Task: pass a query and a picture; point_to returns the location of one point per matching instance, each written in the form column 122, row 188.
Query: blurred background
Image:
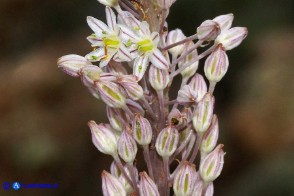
column 44, row 136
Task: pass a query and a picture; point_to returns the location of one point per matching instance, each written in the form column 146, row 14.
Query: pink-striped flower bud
column 185, row 180
column 116, row 68
column 90, row 74
column 94, row 92
column 135, row 107
column 224, row 21
column 127, row 147
column 72, row 63
column 114, row 170
column 116, row 118
column 142, row 131
column 158, row 78
column 204, row 113
column 146, row 186
column 216, row 65
column 198, row 85
column 212, row 165
column 110, row 3
column 208, row 30
column 167, row 141
column 232, row 38
column 131, row 86
column 199, row 188
column 186, row 95
column 191, row 69
column 210, row 137
column 173, row 37
column 111, row 94
column 103, row 138
column 111, row 186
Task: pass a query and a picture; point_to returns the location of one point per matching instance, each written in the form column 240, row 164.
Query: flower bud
column 142, row 131
column 111, row 94
column 216, row 65
column 103, row 138
column 186, row 95
column 115, row 117
column 131, row 86
column 167, row 141
column 72, row 63
column 110, row 3
column 158, row 78
column 224, row 21
column 198, row 84
column 210, row 137
column 212, row 165
column 173, row 37
column 127, row 147
column 89, row 74
column 116, row 68
column 135, row 107
column 185, row 180
column 111, row 185
column 146, row 186
column 232, row 38
column 191, row 69
column 175, row 117
column 199, row 188
column 203, row 114
column 208, row 30
column 94, row 92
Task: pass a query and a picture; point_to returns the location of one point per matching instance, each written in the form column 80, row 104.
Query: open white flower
column 144, row 47
column 107, row 41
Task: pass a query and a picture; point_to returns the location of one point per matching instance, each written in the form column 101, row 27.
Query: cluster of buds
column 138, row 58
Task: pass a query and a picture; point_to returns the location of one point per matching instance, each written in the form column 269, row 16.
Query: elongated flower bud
column 189, row 71
column 90, row 74
column 208, row 30
column 212, row 165
column 72, row 63
column 198, row 84
column 167, row 141
column 204, row 113
column 187, row 95
column 158, row 78
column 103, row 138
column 131, row 86
column 173, row 37
column 115, row 117
column 224, row 21
column 216, row 65
column 111, row 185
column 127, row 147
column 232, row 38
column 146, row 186
column 142, row 131
column 111, row 94
column 210, row 137
column 185, row 180
column 110, row 3
column 199, row 188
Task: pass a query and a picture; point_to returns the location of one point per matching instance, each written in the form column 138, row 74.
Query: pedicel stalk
column 132, row 67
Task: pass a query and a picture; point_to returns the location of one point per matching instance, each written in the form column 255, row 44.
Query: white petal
column 126, row 34
column 129, row 20
column 106, row 60
column 97, row 26
column 144, row 27
column 140, row 66
column 111, row 18
column 158, row 60
column 95, row 41
column 155, row 38
column 123, row 54
column 96, row 55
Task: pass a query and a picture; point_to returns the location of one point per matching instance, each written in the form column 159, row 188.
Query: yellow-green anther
column 145, row 45
column 111, row 41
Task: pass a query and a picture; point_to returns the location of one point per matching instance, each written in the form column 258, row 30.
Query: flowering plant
column 138, row 59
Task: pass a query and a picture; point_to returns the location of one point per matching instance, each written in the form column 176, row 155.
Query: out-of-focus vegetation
column 43, row 112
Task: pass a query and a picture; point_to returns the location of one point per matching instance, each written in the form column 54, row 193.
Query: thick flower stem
column 196, row 149
column 166, row 190
column 161, row 110
column 205, row 53
column 211, row 87
column 148, row 161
